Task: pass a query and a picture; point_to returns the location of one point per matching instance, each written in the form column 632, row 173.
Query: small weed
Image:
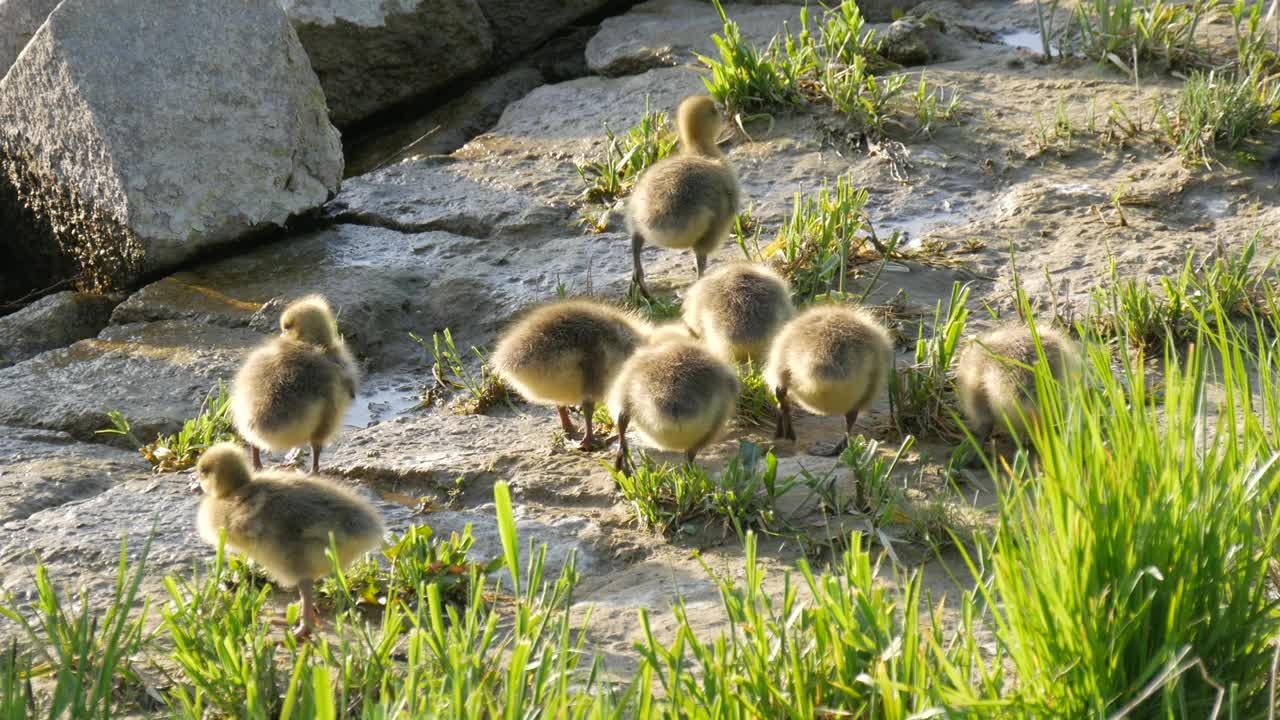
column 756, row 403
column 626, row 157
column 670, row 498
column 172, row 453
column 922, row 395
column 483, row 390
column 416, row 559
column 816, row 246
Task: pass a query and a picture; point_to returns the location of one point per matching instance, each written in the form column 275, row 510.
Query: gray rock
column 522, row 25
column 448, row 127
column 43, row 469
column 52, row 322
column 18, row 22
column 381, row 283
column 79, row 542
column 422, row 195
column 905, row 42
column 157, row 374
column 128, row 146
column 661, row 33
column 373, row 54
column 884, row 10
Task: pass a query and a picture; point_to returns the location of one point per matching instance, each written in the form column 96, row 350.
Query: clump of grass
column 851, row 647
column 626, row 157
column 1130, row 571
column 415, row 559
column 88, row 655
column 746, row 79
column 831, row 64
column 1117, row 31
column 1148, row 317
column 756, row 403
column 172, row 453
column 1220, row 110
column 482, row 389
column 669, row 498
column 816, row 246
column 922, row 395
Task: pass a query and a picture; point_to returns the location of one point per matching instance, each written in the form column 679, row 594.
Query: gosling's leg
column 589, row 437
column 637, row 275
column 690, row 455
column 831, row 450
column 783, row 430
column 623, row 462
column 310, row 617
column 700, row 262
column 315, row 458
column 257, row 458
column 565, row 422
column 983, row 440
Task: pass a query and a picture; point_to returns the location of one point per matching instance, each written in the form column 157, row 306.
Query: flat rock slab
column 156, row 373
column 42, row 469
column 662, row 33
column 430, row 194
column 52, row 322
column 79, row 542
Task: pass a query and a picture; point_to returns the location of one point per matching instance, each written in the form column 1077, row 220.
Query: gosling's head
column 699, row 124
column 310, row 320
column 223, row 469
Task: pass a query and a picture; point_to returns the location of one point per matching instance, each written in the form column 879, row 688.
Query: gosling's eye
column 288, row 325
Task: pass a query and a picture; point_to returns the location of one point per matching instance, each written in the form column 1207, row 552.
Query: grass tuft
column 483, row 389
column 173, row 453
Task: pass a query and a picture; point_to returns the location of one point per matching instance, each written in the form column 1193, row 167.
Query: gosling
column 689, row 200
column 568, row 353
column 737, row 310
column 283, row 521
column 831, row 360
column 996, row 380
column 295, row 388
column 679, row 395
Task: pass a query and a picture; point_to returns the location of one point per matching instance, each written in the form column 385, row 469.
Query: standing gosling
column 832, row 360
column 996, row 381
column 295, row 388
column 282, row 521
column 679, row 395
column 737, row 309
column 688, row 200
column 568, row 353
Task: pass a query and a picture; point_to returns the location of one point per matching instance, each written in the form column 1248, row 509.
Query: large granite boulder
column 661, row 33
column 135, row 134
column 19, row 20
column 522, row 25
column 372, row 54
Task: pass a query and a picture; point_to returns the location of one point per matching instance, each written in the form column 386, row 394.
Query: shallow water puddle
column 1026, row 39
column 377, row 402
